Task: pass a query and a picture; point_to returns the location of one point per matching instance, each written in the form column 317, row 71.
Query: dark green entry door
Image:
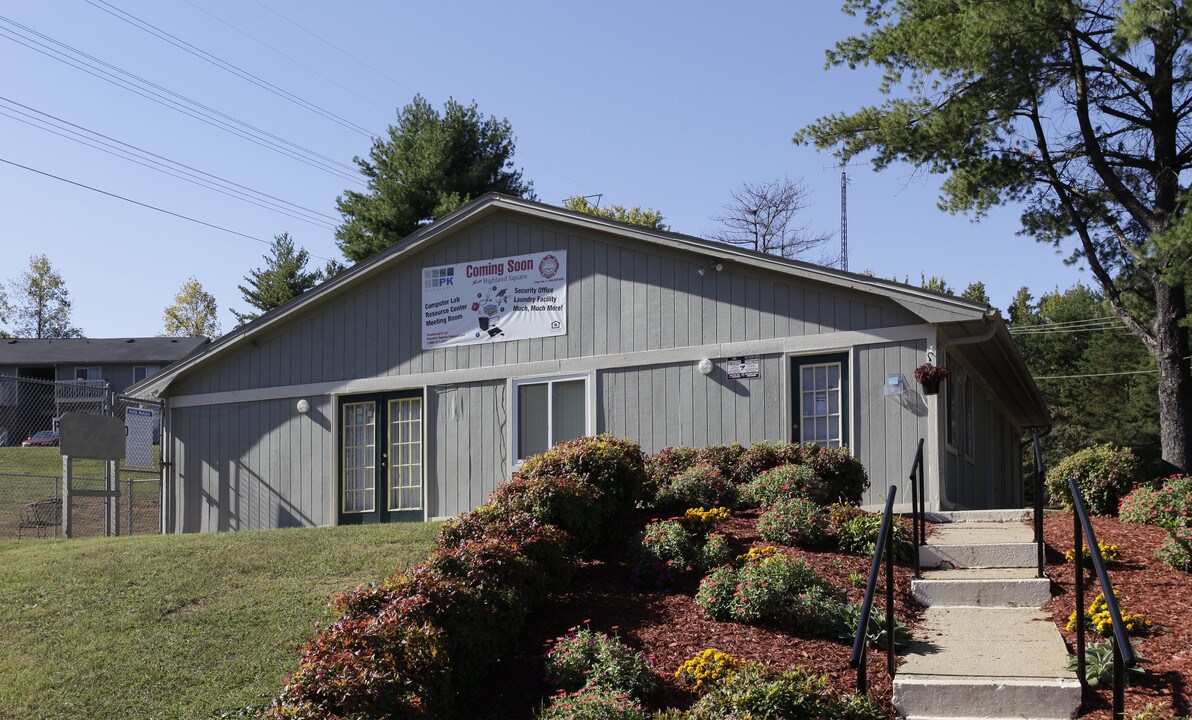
column 380, row 459
column 819, row 384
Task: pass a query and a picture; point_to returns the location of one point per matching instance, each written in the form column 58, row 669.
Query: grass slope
column 174, row 626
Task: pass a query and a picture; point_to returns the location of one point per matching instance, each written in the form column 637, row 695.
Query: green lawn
column 35, row 473
column 176, row 626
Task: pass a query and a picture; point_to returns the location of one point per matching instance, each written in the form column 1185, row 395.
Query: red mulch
column 1143, row 585
column 672, row 628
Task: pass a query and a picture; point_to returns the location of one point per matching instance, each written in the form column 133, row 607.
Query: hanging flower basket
column 930, row 376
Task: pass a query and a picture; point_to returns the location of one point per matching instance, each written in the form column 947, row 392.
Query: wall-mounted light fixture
column 303, row 406
column 704, row 367
column 712, row 264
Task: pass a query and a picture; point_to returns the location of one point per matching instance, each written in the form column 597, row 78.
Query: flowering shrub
column 669, row 550
column 612, row 468
column 406, row 647
column 593, row 703
column 794, row 521
column 754, row 691
column 784, row 482
column 757, row 553
column 1176, row 550
column 723, row 457
column 707, row 668
column 702, row 485
column 840, row 513
column 700, row 520
column 1097, row 619
column 843, row 475
column 770, row 587
column 1104, row 474
column 664, row 465
column 859, row 535
column 1109, row 553
column 1169, row 505
column 585, row 657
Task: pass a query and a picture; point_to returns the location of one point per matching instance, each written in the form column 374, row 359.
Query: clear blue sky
column 668, row 105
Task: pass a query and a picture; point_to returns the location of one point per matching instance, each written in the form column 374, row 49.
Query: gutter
column 986, row 336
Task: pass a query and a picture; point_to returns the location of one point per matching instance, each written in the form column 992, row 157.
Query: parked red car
column 41, row 438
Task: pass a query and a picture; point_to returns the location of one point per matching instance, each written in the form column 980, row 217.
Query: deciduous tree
column 193, row 312
column 1076, row 111
column 283, row 278
column 430, row 164
column 635, row 215
column 763, row 217
column 42, row 303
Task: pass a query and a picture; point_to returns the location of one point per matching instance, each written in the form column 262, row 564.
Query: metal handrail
column 1123, row 652
column 1038, row 501
column 918, row 506
column 884, row 541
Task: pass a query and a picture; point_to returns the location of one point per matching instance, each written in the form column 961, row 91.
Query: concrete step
column 980, row 544
column 987, row 663
column 983, row 587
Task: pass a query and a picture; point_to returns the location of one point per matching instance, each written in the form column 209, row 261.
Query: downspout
column 988, row 317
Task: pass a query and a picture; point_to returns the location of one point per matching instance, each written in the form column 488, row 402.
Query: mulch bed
column 1143, row 585
column 672, row 628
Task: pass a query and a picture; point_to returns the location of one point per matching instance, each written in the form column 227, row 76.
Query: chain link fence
column 31, row 468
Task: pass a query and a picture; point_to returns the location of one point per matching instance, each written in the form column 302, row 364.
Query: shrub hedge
column 794, row 521
column 843, row 474
column 1169, row 505
column 407, row 646
column 701, row 485
column 785, row 482
column 1103, row 473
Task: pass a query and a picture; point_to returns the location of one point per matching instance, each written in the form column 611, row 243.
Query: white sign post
column 509, row 298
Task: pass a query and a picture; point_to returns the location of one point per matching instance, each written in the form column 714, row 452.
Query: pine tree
column 283, row 278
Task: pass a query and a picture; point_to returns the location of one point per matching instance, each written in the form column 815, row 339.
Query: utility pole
column 843, row 219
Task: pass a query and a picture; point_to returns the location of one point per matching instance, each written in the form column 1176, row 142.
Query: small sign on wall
column 749, row 366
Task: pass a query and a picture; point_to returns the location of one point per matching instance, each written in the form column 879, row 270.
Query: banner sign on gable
column 509, row 298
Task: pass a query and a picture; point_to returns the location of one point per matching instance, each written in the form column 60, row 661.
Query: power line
column 145, row 205
column 287, row 56
column 145, row 158
column 338, row 49
column 225, row 65
column 395, row 81
column 1093, row 375
column 165, row 97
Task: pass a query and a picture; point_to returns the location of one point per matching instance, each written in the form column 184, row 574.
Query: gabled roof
column 96, row 351
column 930, row 306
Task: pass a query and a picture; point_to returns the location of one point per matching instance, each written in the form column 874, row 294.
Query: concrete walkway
column 984, row 648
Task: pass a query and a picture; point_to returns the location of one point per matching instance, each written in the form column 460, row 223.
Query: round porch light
column 303, row 406
column 705, row 366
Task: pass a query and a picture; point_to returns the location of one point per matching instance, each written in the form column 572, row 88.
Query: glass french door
column 380, row 461
column 821, row 399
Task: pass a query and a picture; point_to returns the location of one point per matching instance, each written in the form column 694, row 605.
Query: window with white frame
column 548, row 411
column 140, row 372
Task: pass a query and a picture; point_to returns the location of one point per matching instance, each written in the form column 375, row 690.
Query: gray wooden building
column 409, row 386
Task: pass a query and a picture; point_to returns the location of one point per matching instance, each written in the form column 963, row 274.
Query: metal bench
column 40, row 515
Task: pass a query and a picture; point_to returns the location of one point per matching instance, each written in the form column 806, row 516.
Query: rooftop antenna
column 598, row 196
column 844, row 219
column 844, row 214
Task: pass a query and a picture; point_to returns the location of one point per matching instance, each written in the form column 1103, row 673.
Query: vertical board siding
column 250, row 466
column 687, row 408
column 888, row 427
column 623, row 296
column 466, row 455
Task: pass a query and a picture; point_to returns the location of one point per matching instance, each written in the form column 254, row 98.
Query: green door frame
column 381, row 447
column 797, row 363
